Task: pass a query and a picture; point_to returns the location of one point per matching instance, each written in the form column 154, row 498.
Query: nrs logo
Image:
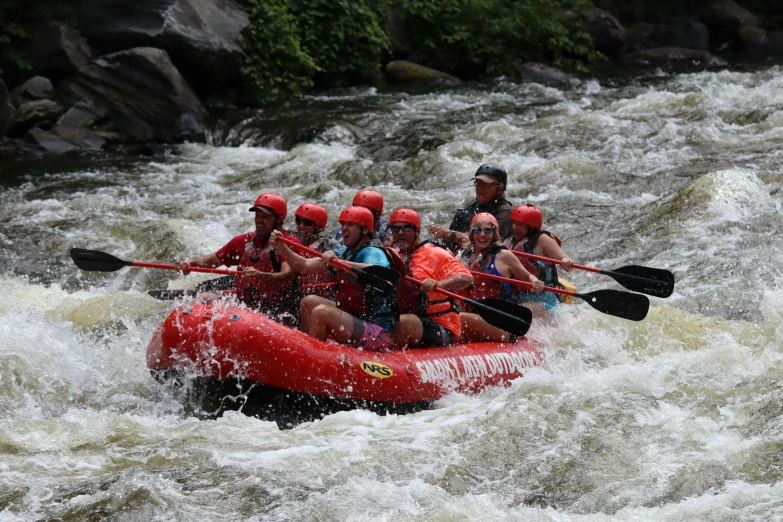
column 377, row 369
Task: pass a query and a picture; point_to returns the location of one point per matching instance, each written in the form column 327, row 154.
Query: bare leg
column 409, row 331
column 327, row 319
column 306, row 306
column 475, row 329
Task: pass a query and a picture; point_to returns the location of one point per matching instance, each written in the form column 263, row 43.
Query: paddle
column 650, row 281
column 222, row 285
column 381, row 278
column 95, row 261
column 613, row 302
column 509, row 317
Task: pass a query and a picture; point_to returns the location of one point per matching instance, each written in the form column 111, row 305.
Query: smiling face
column 486, row 192
column 305, row 229
column 483, row 234
column 404, row 235
column 520, row 230
column 265, row 223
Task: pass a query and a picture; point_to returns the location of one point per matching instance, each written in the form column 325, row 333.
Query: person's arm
column 298, row 264
column 208, row 261
column 452, row 236
column 272, row 279
column 549, row 248
column 450, row 275
column 517, row 270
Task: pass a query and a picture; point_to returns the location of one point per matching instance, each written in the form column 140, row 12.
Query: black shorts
column 433, row 334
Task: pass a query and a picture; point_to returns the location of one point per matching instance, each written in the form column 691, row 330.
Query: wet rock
column 728, row 15
column 60, row 139
column 401, row 72
column 83, row 114
column 639, row 36
column 757, row 40
column 202, row 37
column 7, row 111
column 35, row 113
column 607, row 33
column 144, row 94
column 538, row 72
column 57, row 50
column 36, row 88
column 682, row 32
column 674, row 57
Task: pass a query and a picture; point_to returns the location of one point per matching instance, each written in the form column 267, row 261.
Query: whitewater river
column 678, row 417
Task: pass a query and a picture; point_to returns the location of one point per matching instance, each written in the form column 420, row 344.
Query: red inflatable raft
column 232, row 358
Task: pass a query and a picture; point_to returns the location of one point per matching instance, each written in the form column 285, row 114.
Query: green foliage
column 346, row 38
column 496, row 34
column 274, row 59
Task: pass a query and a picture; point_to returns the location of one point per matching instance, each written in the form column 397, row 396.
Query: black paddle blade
column 95, row 261
column 509, row 317
column 220, row 283
column 650, row 281
column 169, row 295
column 381, row 279
column 625, row 305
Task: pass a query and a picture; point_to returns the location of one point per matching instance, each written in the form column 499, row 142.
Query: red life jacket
column 317, row 283
column 264, row 259
column 411, row 297
column 350, row 296
column 544, row 271
column 486, row 288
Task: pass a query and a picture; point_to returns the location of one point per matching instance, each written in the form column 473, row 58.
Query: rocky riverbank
column 146, row 73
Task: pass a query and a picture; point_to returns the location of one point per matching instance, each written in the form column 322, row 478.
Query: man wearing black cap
column 490, row 181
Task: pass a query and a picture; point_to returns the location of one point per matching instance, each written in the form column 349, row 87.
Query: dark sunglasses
column 305, row 222
column 485, row 230
column 402, row 228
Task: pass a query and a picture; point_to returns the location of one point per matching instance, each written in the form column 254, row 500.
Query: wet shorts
column 548, row 299
column 434, row 334
column 371, row 337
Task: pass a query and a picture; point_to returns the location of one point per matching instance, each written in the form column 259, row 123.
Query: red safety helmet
column 315, row 213
column 528, row 215
column 369, row 199
column 406, row 215
column 266, row 202
column 484, row 216
column 359, row 215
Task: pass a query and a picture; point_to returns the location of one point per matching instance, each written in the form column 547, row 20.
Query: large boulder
column 757, row 40
column 202, row 37
column 7, row 110
column 402, row 72
column 36, row 88
column 144, row 93
column 36, row 113
column 727, row 16
column 607, row 33
column 676, row 57
column 57, row 51
column 682, row 32
column 541, row 73
column 65, row 139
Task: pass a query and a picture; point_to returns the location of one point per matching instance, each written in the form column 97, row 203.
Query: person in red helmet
column 266, row 282
column 488, row 255
column 428, row 318
column 527, row 222
column 490, row 182
column 358, row 317
column 310, row 222
column 373, row 201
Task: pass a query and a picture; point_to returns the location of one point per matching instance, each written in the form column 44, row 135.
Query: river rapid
column 678, row 417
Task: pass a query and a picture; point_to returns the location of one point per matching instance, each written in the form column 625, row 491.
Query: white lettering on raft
column 470, row 367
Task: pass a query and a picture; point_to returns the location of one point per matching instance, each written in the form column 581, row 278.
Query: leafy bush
column 496, row 34
column 274, row 59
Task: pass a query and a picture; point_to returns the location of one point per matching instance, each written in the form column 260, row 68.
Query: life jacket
column 484, row 288
column 357, row 300
column 316, row 283
column 265, row 259
column 546, row 272
column 412, row 299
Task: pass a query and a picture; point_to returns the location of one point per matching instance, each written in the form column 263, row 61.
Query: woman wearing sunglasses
column 488, row 255
column 310, row 222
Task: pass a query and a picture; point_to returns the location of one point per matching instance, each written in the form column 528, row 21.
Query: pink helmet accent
column 315, row 213
column 359, row 215
column 406, row 215
column 369, row 199
column 528, row 215
column 484, row 216
column 271, row 201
